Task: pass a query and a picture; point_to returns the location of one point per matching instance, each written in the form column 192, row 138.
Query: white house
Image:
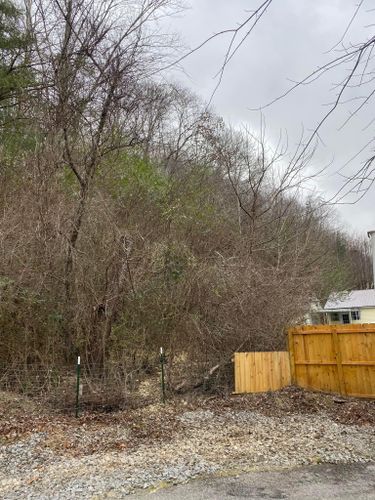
column 357, row 306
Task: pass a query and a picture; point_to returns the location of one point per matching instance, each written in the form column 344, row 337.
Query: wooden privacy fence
column 333, row 358
column 261, row 371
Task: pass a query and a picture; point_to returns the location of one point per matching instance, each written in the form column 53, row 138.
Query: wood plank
column 247, row 372
column 286, row 376
column 292, row 361
column 340, row 330
column 258, row 372
column 305, row 343
column 317, row 332
column 359, row 363
column 369, row 347
column 244, row 372
column 269, row 360
column 240, row 360
column 253, row 374
column 274, row 370
column 236, row 374
column 356, row 395
column 353, row 377
column 344, row 363
column 336, row 347
column 316, row 362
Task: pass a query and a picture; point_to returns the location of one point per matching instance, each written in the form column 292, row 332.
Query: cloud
column 292, row 40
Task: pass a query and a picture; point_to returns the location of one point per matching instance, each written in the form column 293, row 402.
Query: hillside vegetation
column 133, row 217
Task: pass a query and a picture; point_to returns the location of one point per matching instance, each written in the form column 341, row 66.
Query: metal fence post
column 162, row 362
column 78, row 385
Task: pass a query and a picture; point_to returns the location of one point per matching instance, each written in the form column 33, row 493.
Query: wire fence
column 83, row 386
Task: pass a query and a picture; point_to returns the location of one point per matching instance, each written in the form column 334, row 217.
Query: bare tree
column 356, row 90
column 91, row 57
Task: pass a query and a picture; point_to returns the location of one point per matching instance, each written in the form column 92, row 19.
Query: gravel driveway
column 170, row 445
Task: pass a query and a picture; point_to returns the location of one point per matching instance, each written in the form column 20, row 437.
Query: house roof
column 350, row 300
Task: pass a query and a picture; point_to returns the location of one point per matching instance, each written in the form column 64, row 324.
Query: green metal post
column 78, row 385
column 162, row 361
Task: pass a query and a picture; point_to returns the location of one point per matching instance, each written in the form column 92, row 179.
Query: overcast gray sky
column 291, row 40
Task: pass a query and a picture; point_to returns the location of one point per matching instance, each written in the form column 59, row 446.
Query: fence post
column 78, row 385
column 292, row 360
column 162, row 362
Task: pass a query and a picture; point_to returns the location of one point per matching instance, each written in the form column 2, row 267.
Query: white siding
column 367, row 315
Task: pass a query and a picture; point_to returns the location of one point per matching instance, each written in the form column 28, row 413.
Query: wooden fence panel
column 334, row 358
column 261, row 371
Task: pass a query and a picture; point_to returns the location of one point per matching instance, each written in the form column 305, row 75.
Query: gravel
column 49, row 464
